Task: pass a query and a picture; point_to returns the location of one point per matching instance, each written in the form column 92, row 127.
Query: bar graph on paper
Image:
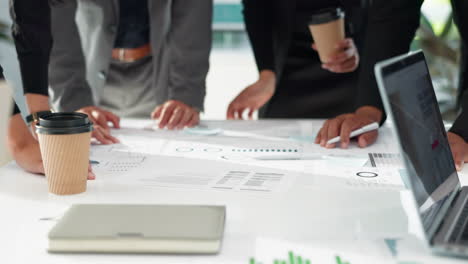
column 382, row 160
column 296, row 259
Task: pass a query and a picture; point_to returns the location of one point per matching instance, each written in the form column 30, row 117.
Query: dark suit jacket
column 84, row 33
column 33, row 41
column 391, row 28
column 270, row 23
column 460, row 127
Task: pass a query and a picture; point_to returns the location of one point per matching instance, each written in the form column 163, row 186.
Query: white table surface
column 306, row 216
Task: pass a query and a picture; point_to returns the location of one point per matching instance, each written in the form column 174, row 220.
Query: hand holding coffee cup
column 64, row 140
column 328, row 31
column 345, row 60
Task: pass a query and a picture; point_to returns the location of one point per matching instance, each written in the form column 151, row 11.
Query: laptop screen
column 421, row 132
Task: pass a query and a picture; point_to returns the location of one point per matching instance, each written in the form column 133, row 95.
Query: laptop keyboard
column 460, row 232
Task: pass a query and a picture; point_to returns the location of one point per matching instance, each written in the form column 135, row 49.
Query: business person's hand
column 346, row 59
column 254, row 96
column 175, row 115
column 101, row 119
column 25, row 148
column 459, row 150
column 343, row 125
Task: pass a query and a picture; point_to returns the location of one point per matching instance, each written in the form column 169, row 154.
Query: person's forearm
column 23, row 147
column 267, row 75
column 29, row 158
column 460, row 126
column 37, row 102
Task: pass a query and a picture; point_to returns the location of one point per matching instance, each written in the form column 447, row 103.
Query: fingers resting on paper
column 342, row 126
column 101, row 120
column 175, row 115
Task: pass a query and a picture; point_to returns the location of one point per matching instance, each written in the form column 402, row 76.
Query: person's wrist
column 267, row 75
column 267, row 80
column 370, row 112
column 196, row 109
column 37, row 102
column 33, row 118
column 455, row 136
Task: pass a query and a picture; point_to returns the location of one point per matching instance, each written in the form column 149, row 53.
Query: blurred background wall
column 233, row 67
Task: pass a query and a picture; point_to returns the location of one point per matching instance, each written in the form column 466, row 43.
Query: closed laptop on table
column 95, row 228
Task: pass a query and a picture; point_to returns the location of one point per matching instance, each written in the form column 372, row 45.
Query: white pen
column 357, row 132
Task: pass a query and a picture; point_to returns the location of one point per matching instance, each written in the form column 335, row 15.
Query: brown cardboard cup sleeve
column 64, row 140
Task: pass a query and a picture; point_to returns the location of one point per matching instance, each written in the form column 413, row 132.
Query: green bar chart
column 339, row 261
column 296, row 259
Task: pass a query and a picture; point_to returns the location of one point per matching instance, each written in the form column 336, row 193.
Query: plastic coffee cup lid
column 326, row 15
column 64, row 123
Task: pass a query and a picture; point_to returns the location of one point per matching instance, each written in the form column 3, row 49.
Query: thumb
column 367, row 139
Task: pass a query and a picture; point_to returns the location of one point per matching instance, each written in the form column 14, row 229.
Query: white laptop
column 133, row 228
column 409, row 99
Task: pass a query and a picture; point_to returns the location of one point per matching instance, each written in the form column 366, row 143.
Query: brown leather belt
column 131, row 55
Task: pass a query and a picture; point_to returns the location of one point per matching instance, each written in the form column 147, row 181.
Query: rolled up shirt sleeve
column 33, row 41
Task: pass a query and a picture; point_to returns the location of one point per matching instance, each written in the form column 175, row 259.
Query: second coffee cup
column 64, row 140
column 327, row 29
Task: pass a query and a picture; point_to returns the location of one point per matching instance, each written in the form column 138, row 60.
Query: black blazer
column 33, row 41
column 269, row 24
column 460, row 126
column 390, row 30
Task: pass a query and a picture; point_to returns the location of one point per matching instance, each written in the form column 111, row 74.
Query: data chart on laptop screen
column 423, row 138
